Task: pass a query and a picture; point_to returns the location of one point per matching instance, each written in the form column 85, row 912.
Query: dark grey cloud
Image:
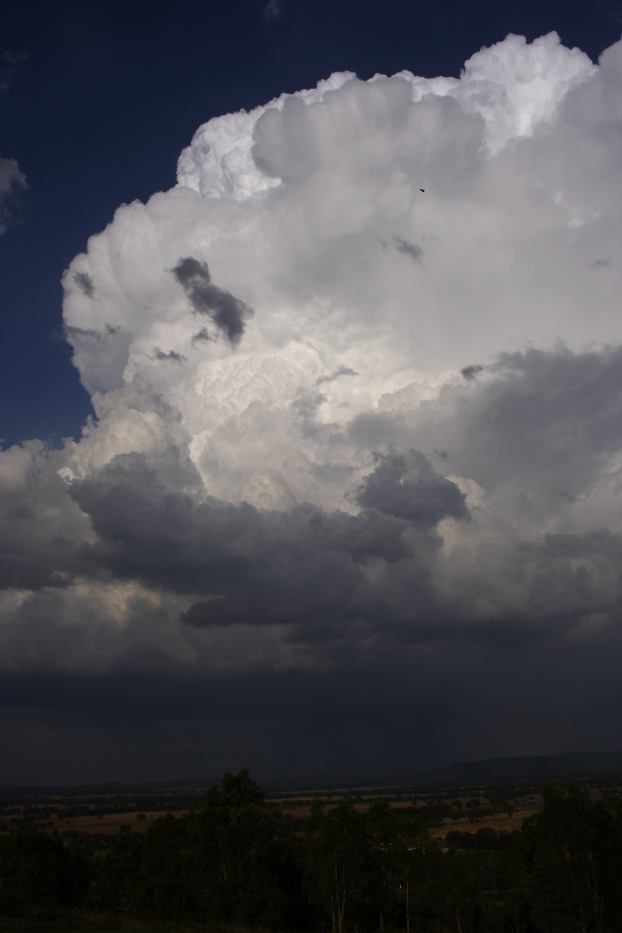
column 471, row 372
column 293, row 568
column 348, row 719
column 224, row 309
column 201, row 336
column 548, row 418
column 170, row 356
column 40, row 525
column 136, row 724
column 412, row 250
column 541, row 437
column 338, row 373
column 541, row 426
column 407, row 487
column 369, row 620
column 85, row 283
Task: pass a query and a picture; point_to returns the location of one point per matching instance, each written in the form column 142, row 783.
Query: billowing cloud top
column 357, row 382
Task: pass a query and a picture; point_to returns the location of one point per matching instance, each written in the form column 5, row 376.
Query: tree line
column 238, row 862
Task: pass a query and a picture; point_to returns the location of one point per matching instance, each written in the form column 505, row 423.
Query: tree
column 236, row 839
column 38, row 872
column 576, row 858
column 338, row 865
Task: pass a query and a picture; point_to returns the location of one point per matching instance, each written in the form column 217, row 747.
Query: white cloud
column 292, row 206
column 295, row 316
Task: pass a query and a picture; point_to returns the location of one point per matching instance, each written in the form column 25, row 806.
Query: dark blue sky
column 110, row 94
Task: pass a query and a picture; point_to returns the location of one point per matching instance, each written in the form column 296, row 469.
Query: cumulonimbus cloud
column 234, row 480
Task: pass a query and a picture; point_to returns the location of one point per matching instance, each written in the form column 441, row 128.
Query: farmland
column 400, row 857
column 443, row 809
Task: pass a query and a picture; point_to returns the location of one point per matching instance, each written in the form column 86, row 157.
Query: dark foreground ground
column 506, row 856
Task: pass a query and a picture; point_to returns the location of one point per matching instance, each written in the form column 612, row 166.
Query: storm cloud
column 319, row 511
column 471, row 371
column 407, row 487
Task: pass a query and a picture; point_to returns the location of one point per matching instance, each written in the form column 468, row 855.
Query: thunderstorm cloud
column 299, row 500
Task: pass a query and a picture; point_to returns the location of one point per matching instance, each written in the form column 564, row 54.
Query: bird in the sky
column 422, row 189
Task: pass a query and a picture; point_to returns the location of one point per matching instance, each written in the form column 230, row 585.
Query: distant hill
column 489, row 770
column 111, row 788
column 536, row 767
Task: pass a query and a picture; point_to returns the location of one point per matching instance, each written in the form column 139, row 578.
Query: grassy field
column 31, row 926
column 110, row 823
column 61, row 818
column 501, row 822
column 90, row 924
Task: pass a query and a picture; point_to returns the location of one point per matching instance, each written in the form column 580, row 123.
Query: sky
column 311, row 391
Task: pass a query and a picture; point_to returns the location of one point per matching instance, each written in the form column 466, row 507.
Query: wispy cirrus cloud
column 273, row 10
column 8, row 67
column 12, row 181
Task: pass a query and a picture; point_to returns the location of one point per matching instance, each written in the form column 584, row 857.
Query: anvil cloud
column 357, row 383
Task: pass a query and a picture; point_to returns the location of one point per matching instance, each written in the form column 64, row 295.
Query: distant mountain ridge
column 487, row 770
column 570, row 764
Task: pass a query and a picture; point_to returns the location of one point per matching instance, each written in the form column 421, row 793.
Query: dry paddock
column 111, row 823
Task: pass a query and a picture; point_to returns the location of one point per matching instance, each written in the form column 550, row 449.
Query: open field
column 77, row 924
column 22, row 926
column 301, row 809
column 110, row 823
column 84, row 925
column 501, row 823
column 442, row 808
